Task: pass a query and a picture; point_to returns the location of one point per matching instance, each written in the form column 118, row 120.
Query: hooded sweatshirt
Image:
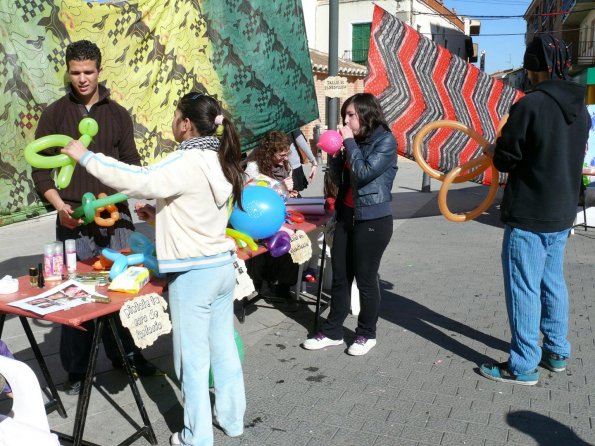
column 191, row 195
column 542, row 148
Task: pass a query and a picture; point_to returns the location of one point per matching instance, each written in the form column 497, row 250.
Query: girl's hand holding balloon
column 74, row 149
column 346, row 132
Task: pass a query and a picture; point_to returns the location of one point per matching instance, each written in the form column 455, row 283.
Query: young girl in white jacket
column 192, row 187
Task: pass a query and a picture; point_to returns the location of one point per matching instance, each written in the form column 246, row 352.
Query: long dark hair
column 273, row 142
column 369, row 113
column 201, row 110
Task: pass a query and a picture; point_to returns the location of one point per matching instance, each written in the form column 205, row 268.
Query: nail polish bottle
column 40, row 279
column 33, row 276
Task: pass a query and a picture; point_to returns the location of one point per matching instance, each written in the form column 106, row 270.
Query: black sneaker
column 73, row 388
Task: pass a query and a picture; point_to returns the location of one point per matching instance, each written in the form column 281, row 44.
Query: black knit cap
column 548, row 53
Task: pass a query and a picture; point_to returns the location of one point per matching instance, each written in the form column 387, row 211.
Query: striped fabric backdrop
column 418, row 82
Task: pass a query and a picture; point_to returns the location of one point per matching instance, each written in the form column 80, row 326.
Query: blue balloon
column 140, row 243
column 263, row 214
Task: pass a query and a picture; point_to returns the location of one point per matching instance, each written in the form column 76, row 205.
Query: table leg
column 147, row 429
column 55, row 402
column 85, row 395
column 320, row 280
column 242, row 317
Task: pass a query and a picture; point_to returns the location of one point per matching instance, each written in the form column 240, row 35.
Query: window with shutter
column 360, row 42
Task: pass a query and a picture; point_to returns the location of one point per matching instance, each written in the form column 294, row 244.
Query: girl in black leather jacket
column 364, row 171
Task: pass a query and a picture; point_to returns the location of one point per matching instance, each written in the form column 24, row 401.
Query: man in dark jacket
column 116, row 139
column 542, row 148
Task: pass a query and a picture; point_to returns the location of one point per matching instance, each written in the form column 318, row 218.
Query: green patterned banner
column 251, row 55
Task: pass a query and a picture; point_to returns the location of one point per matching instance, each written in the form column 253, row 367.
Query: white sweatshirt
column 192, row 195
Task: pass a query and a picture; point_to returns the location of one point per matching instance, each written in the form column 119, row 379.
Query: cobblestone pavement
column 442, row 314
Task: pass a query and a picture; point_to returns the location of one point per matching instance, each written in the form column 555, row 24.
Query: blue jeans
column 536, row 295
column 201, row 307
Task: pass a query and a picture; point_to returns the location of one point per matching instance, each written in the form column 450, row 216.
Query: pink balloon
column 330, row 141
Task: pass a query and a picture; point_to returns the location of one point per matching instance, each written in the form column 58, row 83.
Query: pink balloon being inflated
column 330, row 141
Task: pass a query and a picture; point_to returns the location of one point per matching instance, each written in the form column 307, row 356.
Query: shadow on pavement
column 544, row 430
column 421, row 320
column 19, row 266
column 415, row 204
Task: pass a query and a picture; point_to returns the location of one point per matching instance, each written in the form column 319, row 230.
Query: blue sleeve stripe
column 174, row 157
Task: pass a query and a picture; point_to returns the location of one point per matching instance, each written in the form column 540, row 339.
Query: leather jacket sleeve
column 370, row 164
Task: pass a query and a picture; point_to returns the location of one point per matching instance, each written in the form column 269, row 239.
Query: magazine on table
column 67, row 295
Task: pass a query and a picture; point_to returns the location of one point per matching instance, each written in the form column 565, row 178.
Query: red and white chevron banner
column 418, row 82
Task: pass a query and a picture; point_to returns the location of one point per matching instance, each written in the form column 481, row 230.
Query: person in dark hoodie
column 542, row 148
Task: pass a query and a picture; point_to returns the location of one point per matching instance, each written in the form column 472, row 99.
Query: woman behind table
column 364, row 172
column 193, row 186
column 270, row 158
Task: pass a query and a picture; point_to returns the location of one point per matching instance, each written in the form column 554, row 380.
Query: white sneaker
column 320, row 341
column 174, row 439
column 361, row 346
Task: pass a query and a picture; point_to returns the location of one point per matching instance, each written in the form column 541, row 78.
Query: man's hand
column 65, row 219
column 489, row 150
column 74, row 149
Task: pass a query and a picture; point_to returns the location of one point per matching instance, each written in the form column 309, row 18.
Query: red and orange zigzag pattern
column 418, row 82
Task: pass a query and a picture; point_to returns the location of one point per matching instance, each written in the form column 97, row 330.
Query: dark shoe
column 140, row 366
column 499, row 372
column 283, row 291
column 552, row 361
column 73, row 387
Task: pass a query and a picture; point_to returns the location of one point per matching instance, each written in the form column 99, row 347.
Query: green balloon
column 89, row 204
column 88, row 128
column 239, row 345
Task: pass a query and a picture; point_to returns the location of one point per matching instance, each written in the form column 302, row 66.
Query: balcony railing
column 583, row 53
column 357, row 56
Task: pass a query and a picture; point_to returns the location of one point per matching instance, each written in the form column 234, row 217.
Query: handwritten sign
column 301, row 247
column 335, row 87
column 146, row 318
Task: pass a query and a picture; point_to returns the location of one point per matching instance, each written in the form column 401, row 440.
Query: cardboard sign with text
column 301, row 247
column 146, row 318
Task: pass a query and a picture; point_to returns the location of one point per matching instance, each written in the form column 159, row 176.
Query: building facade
column 574, row 22
column 428, row 17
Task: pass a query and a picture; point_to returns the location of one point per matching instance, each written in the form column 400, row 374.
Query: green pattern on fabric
column 252, row 56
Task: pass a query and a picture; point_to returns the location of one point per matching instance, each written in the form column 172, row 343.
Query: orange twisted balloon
column 459, row 174
column 111, row 208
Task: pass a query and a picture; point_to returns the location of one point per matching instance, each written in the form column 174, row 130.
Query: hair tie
column 219, row 124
